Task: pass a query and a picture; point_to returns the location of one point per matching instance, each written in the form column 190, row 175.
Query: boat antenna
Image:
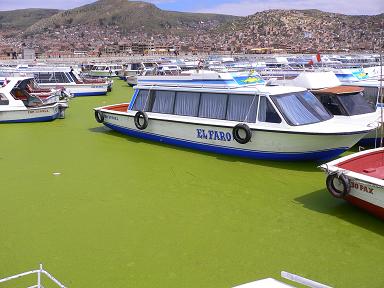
column 381, row 95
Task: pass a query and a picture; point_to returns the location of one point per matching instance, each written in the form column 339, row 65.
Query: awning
column 339, row 90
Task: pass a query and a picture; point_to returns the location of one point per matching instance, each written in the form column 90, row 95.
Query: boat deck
column 119, row 107
column 371, row 164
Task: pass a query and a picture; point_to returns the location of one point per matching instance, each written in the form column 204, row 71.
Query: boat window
column 164, row 102
column 135, row 66
column 51, row 77
column 242, row 108
column 371, row 94
column 141, row 101
column 332, row 104
column 301, row 108
column 267, row 112
column 187, row 104
column 3, row 100
column 355, row 104
column 213, row 105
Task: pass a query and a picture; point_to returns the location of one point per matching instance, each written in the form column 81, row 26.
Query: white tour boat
column 222, row 113
column 17, row 105
column 359, row 179
column 105, row 70
column 342, row 101
column 69, row 79
column 63, row 77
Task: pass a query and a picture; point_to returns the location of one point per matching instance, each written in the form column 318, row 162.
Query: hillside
column 129, row 16
column 314, row 28
column 119, row 26
column 22, row 19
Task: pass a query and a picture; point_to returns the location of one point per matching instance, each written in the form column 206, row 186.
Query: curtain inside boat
column 301, row 108
column 242, row 108
column 141, row 100
column 213, row 106
column 164, row 101
column 187, row 104
column 267, row 112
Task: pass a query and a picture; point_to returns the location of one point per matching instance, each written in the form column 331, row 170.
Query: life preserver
column 138, row 116
column 99, row 116
column 344, row 182
column 246, row 129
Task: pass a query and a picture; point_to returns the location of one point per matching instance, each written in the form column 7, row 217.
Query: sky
column 232, row 7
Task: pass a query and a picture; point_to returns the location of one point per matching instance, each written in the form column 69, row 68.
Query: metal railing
column 39, row 273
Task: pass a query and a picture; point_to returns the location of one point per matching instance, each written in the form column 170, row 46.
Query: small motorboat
column 359, row 179
column 18, row 105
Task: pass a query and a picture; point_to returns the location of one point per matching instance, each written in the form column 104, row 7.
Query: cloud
column 350, row 7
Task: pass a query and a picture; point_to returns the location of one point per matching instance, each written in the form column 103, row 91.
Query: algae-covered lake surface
column 126, row 212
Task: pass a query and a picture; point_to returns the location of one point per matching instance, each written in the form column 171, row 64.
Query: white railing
column 39, row 272
column 302, row 280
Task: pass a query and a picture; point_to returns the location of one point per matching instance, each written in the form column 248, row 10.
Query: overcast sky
column 233, row 7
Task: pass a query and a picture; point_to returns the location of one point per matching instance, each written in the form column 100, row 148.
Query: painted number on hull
column 213, row 135
column 361, row 187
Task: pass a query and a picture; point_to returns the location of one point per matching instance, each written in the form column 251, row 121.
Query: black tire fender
column 246, row 129
column 344, row 182
column 141, row 114
column 99, row 116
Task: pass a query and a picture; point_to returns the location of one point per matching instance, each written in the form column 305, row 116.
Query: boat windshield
column 355, row 104
column 301, row 108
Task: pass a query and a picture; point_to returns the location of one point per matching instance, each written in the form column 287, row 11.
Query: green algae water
column 124, row 212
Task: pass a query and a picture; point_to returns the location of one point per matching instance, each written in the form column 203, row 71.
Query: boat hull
column 39, row 114
column 364, row 174
column 264, row 144
column 79, row 90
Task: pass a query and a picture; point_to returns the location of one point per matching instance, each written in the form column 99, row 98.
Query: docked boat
column 255, row 121
column 105, row 70
column 70, row 80
column 350, row 102
column 63, row 77
column 17, row 105
column 359, row 179
column 144, row 68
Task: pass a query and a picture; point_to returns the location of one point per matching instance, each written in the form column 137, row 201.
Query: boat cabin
column 344, row 100
column 298, row 107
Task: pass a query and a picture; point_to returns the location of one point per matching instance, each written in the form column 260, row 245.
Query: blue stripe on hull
column 89, row 94
column 313, row 155
column 37, row 119
column 371, row 142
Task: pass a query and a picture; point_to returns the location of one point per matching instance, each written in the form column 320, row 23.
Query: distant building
column 29, row 53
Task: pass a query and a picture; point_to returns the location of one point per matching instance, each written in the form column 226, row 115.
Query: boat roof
column 314, row 80
column 250, row 90
column 203, row 78
column 339, row 90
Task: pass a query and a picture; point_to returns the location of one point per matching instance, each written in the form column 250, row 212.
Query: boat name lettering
column 361, row 187
column 213, row 135
column 38, row 111
column 111, row 117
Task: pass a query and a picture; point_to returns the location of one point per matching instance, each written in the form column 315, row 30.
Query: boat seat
column 377, row 172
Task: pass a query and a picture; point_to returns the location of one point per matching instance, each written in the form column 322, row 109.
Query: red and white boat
column 359, row 179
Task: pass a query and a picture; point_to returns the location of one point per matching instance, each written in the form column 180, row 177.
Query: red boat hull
column 371, row 208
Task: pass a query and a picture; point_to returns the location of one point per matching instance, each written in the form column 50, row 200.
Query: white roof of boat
column 251, row 89
column 265, row 283
column 314, row 80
